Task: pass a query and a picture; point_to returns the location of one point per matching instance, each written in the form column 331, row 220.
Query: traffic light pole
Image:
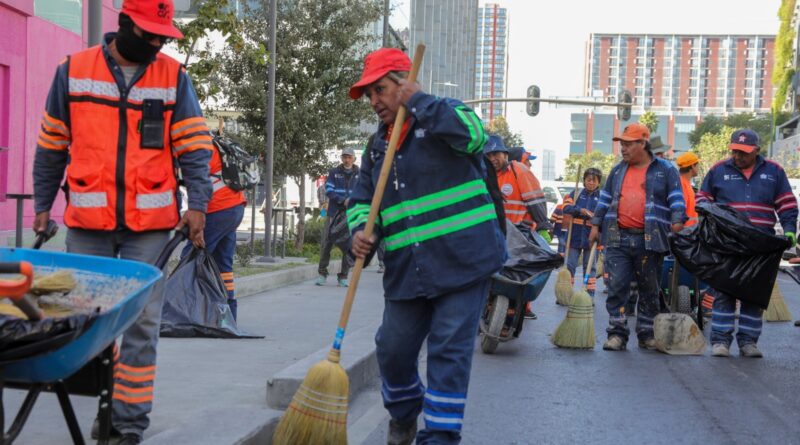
column 551, row 101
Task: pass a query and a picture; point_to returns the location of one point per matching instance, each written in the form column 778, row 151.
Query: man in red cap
column 443, row 243
column 124, row 115
column 640, row 203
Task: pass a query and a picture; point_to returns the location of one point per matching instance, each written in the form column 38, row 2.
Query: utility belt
column 632, row 231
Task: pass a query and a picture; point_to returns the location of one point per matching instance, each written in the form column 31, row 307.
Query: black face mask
column 134, row 48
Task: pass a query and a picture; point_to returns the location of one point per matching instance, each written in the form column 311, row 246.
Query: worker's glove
column 792, row 238
column 546, row 235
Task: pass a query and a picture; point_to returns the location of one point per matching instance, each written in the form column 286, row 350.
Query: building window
column 65, row 13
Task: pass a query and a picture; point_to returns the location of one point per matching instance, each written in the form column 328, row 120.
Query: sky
column 547, row 42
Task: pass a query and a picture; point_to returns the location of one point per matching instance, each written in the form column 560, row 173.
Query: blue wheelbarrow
column 79, row 362
column 498, row 324
column 682, row 290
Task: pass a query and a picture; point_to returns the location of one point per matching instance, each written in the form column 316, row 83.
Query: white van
column 552, row 194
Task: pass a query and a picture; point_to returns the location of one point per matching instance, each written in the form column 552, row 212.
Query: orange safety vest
column 224, row 197
column 517, row 187
column 112, row 181
column 688, row 196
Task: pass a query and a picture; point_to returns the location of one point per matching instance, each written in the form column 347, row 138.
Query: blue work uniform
column 637, row 254
column 443, row 243
column 581, row 227
column 759, row 197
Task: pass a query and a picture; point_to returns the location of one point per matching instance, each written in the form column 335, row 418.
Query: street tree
column 760, row 123
column 596, row 159
column 650, row 120
column 499, row 126
column 321, row 45
column 784, row 46
column 713, row 147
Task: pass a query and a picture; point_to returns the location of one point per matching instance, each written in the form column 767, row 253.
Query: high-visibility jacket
column 524, row 198
column 223, row 197
column 688, row 196
column 98, row 122
column 581, row 225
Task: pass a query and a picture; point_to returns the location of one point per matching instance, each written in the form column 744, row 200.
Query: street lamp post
column 273, row 23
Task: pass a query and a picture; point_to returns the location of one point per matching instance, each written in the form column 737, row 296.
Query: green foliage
column 595, row 159
column 650, row 120
column 783, row 72
column 313, row 230
column 713, row 147
column 709, row 124
column 320, row 50
column 499, row 126
column 760, row 123
column 244, row 256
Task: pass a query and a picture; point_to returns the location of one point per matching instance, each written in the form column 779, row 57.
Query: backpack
column 239, row 169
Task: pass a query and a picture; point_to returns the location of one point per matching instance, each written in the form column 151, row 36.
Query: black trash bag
column 730, row 254
column 22, row 339
column 528, row 254
column 196, row 302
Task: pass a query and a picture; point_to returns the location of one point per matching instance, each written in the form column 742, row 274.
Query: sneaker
column 649, row 344
column 343, row 282
column 381, row 269
column 530, row 315
column 130, row 439
column 614, row 343
column 95, row 431
column 797, row 323
column 401, row 433
column 321, row 280
column 750, row 350
column 720, row 350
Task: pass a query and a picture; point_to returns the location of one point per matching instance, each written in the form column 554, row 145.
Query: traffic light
column 624, row 113
column 532, row 108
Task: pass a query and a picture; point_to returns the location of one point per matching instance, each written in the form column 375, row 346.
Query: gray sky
column 548, row 40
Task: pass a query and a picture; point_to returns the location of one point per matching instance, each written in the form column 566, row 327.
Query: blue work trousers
column 572, row 266
column 220, row 237
column 628, row 262
column 723, row 320
column 449, row 322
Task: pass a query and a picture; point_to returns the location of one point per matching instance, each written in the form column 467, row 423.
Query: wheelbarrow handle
column 44, row 236
column 16, row 289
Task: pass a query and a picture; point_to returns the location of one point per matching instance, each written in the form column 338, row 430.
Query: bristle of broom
column 577, row 329
column 59, row 281
column 599, row 267
column 317, row 414
column 777, row 309
column 563, row 287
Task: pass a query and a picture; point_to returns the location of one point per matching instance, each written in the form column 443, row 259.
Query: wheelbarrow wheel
column 495, row 318
column 684, row 300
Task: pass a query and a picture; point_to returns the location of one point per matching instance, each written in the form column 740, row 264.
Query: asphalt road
column 530, row 392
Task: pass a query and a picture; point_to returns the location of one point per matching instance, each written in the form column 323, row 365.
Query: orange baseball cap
column 378, row 64
column 687, row 160
column 634, row 132
column 153, row 16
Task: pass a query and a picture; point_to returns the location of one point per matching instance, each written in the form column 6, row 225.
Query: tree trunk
column 301, row 222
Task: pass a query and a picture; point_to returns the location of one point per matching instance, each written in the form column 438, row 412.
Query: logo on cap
column 163, row 10
column 742, row 138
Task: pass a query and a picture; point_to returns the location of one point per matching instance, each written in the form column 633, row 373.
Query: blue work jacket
column 766, row 192
column 437, row 219
column 664, row 204
column 581, row 225
column 338, row 187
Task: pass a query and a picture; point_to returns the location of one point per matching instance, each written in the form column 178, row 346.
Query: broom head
column 577, row 329
column 563, row 287
column 777, row 309
column 317, row 414
column 59, row 281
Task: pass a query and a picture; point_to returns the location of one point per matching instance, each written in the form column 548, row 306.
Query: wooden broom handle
column 587, row 273
column 569, row 230
column 376, row 201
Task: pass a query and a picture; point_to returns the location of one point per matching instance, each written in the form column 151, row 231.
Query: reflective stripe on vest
column 86, row 200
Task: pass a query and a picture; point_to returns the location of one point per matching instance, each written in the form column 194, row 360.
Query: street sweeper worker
column 524, row 198
column 123, row 115
column 757, row 188
column 640, row 203
column 559, row 231
column 689, row 164
column 582, row 211
column 443, row 243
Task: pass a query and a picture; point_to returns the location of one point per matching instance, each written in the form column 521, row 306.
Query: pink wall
column 30, row 50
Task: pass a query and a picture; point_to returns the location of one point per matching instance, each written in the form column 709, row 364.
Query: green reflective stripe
column 441, row 227
column 434, row 201
column 356, row 211
column 357, row 222
column 477, row 135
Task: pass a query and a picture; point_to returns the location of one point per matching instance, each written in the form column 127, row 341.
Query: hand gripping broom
column 577, row 329
column 564, row 278
column 317, row 414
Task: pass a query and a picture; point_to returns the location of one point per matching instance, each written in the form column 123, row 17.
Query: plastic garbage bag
column 730, row 254
column 196, row 302
column 528, row 254
column 338, row 232
column 22, row 339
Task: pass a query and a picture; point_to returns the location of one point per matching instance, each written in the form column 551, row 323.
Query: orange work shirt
column 632, row 199
column 688, row 196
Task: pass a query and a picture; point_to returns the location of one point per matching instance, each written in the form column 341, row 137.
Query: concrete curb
column 236, row 425
column 358, row 359
column 263, row 282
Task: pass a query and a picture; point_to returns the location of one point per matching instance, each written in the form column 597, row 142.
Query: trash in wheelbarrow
column 195, row 303
column 21, row 338
column 730, row 254
column 528, row 254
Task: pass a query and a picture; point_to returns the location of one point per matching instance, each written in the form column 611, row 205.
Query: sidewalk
column 216, row 389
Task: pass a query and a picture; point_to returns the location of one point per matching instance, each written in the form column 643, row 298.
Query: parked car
column 552, row 194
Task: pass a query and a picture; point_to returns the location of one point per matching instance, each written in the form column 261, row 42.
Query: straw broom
column 564, row 278
column 58, row 281
column 317, row 414
column 777, row 309
column 577, row 329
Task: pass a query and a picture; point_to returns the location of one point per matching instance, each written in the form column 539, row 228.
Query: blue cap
column 745, row 140
column 494, row 144
column 530, row 155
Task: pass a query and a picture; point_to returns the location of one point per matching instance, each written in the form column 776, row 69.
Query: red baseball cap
column 634, row 132
column 153, row 16
column 376, row 65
